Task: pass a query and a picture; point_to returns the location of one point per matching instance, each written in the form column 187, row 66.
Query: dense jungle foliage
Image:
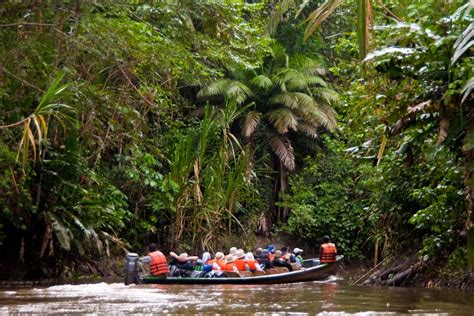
column 205, row 124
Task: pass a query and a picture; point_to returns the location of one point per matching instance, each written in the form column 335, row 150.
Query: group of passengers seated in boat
column 235, row 264
column 264, row 261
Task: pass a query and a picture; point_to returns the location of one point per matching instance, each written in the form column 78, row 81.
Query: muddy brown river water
column 330, row 297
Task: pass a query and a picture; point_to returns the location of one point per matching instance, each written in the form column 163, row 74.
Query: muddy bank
column 408, row 271
column 74, row 272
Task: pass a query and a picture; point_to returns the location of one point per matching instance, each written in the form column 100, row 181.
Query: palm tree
column 281, row 104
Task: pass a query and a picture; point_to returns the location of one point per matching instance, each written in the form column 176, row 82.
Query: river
column 330, row 297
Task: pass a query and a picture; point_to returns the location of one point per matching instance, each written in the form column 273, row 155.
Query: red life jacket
column 251, row 264
column 328, row 253
column 240, row 264
column 158, row 264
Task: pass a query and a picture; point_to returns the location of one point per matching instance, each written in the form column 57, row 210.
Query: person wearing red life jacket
column 327, row 251
column 157, row 261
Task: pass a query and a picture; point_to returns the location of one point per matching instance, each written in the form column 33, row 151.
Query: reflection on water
column 331, row 297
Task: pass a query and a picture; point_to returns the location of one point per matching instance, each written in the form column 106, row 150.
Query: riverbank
column 408, row 271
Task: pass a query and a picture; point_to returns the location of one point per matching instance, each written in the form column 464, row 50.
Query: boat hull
column 313, row 273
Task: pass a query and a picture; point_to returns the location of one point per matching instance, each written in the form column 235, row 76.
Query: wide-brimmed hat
column 219, row 255
column 297, row 250
column 249, row 256
column 278, row 254
column 229, row 259
column 183, row 257
column 232, row 251
column 265, row 253
column 240, row 254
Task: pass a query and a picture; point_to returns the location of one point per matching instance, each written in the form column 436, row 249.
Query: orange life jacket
column 240, row 264
column 328, row 253
column 158, row 264
column 220, row 263
column 251, row 264
column 229, row 266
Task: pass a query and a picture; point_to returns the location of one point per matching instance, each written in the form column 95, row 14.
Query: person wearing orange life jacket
column 252, row 263
column 219, row 261
column 327, row 251
column 229, row 265
column 239, row 260
column 157, row 261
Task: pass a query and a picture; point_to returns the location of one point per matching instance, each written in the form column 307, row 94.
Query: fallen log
column 398, row 278
column 369, row 274
column 385, row 274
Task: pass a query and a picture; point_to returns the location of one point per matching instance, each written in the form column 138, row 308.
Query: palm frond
column 261, row 82
column 316, row 115
column 331, row 122
column 312, row 81
column 250, row 123
column 231, row 90
column 287, row 74
column 463, row 43
column 319, row 15
column 467, row 89
column 307, row 65
column 304, row 100
column 282, row 119
column 287, row 99
column 238, row 92
column 307, row 129
column 299, row 84
column 217, row 88
column 325, row 95
column 282, row 148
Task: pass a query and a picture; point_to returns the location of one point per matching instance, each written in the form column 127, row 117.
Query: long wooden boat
column 314, row 270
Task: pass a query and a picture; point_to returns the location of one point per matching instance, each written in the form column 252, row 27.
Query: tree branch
column 131, row 83
column 27, row 24
column 26, row 83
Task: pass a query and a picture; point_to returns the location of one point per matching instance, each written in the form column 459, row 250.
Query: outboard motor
column 131, row 268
